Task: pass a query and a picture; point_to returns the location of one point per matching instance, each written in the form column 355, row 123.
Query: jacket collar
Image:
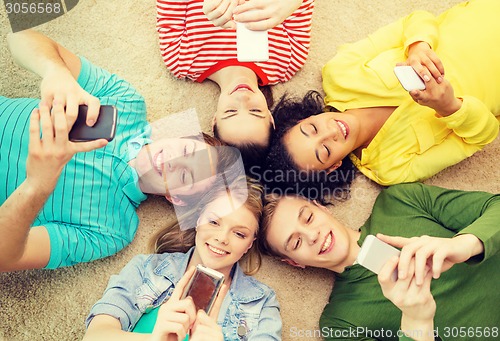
column 244, row 289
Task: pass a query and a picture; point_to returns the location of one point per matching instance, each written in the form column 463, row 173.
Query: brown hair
column 173, row 239
column 271, row 202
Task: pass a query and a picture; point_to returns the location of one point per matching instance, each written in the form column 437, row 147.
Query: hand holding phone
column 104, row 127
column 251, row 46
column 204, row 287
column 374, row 253
column 409, row 78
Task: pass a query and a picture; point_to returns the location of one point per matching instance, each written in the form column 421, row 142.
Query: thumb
column 90, row 145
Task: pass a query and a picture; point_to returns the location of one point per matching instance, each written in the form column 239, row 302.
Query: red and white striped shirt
column 192, row 47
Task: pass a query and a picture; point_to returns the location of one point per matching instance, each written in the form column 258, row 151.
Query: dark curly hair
column 283, row 176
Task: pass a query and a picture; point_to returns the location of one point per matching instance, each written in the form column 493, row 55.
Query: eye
column 183, row 177
column 309, row 218
column 184, row 151
column 240, row 234
column 297, row 243
column 314, row 129
column 327, row 150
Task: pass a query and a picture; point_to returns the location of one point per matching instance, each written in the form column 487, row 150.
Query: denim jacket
column 250, row 308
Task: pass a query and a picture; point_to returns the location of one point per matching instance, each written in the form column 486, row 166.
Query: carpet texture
column 120, row 36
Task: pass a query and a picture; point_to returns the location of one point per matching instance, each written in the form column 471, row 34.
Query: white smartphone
column 409, row 78
column 251, row 46
column 375, row 253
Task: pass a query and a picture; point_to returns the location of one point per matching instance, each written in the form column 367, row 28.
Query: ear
column 214, row 122
column 292, row 263
column 333, row 167
column 250, row 246
column 271, row 119
column 321, row 206
column 175, row 200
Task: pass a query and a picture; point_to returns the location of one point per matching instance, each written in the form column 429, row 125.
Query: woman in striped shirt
column 196, row 48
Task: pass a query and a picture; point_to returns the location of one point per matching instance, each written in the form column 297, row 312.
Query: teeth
column 218, row 251
column 327, row 243
column 344, row 129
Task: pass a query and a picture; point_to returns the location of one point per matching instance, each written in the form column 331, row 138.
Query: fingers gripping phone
column 375, row 253
column 251, row 46
column 204, row 287
column 409, row 78
column 104, row 127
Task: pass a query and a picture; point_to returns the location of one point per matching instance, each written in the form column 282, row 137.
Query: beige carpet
column 120, row 36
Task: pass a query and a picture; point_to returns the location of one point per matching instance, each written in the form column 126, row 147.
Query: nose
column 311, row 236
column 331, row 131
column 222, row 236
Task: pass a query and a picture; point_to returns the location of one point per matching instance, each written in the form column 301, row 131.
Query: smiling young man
column 439, row 230
column 60, row 206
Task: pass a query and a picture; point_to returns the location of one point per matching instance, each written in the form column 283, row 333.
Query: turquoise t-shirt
column 147, row 322
column 91, row 213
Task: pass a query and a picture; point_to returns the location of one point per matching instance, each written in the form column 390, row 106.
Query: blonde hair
column 174, row 239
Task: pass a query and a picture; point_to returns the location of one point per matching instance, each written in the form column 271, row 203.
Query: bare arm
column 20, row 246
column 59, row 69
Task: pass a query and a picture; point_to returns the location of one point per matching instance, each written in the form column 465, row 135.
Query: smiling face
column 243, row 116
column 176, row 166
column 224, row 233
column 310, row 236
column 320, row 142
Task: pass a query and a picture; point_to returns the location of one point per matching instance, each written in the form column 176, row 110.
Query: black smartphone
column 204, row 287
column 104, row 128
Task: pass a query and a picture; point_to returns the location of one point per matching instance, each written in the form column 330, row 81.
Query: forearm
column 16, row 216
column 35, row 52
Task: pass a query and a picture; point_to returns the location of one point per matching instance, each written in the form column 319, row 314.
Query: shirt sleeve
column 118, row 299
column 270, row 324
column 171, row 26
column 105, row 85
column 361, row 74
column 461, row 212
column 298, row 28
column 472, row 127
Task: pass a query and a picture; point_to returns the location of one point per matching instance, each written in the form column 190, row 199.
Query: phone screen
column 104, row 128
column 203, row 289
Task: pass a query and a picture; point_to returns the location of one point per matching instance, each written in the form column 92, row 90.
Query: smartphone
column 409, row 78
column 251, row 46
column 204, row 287
column 375, row 253
column 104, row 128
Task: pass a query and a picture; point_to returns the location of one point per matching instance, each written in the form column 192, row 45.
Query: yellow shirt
column 416, row 143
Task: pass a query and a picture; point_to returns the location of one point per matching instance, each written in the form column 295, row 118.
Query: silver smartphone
column 409, row 78
column 375, row 253
column 251, row 46
column 204, row 287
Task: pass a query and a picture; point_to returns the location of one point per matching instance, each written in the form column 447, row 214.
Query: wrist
column 452, row 108
column 55, row 70
column 472, row 243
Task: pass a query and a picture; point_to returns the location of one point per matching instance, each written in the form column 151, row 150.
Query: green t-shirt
column 467, row 295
